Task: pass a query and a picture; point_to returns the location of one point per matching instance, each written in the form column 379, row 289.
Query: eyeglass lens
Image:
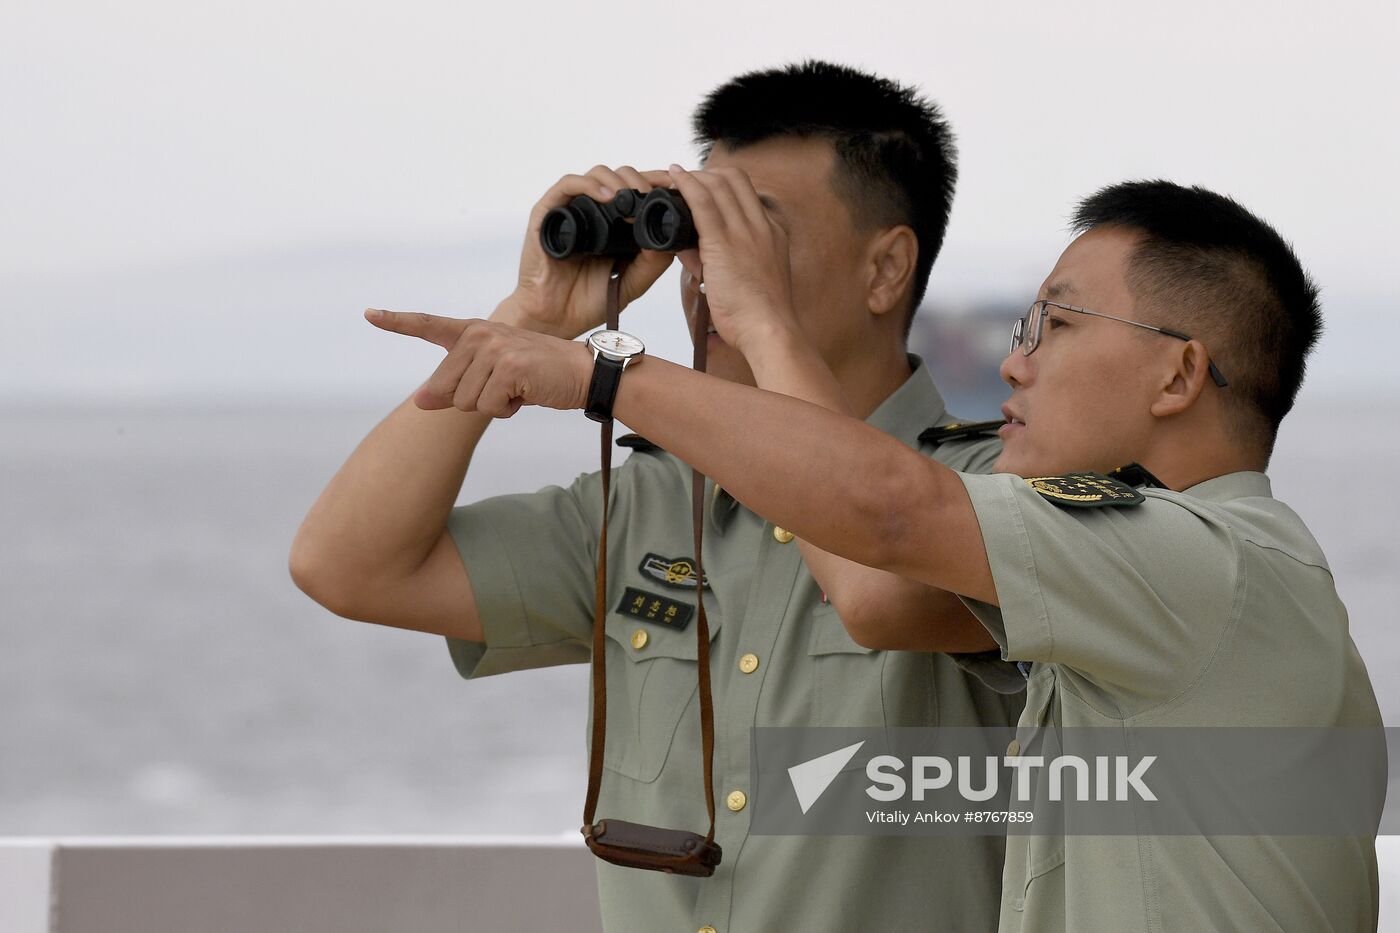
column 1026, row 331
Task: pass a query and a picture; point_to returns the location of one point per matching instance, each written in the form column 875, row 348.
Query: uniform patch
column 672, row 571
column 653, row 607
column 636, row 442
column 958, row 430
column 1085, row 490
column 1135, row 474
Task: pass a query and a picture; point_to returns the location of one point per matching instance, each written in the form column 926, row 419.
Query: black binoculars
column 632, row 221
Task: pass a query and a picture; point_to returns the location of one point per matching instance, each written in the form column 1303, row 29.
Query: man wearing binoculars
column 846, row 180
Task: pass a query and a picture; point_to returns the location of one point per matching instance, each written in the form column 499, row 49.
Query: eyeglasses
column 1026, row 333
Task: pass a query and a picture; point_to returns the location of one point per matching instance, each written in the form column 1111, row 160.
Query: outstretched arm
column 878, row 608
column 836, row 482
column 844, row 486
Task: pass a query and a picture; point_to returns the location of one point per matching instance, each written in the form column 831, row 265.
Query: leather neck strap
column 699, row 336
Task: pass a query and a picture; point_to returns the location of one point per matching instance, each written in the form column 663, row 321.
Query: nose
column 1015, row 369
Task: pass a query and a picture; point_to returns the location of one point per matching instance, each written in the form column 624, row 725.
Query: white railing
column 331, row 884
column 296, row 884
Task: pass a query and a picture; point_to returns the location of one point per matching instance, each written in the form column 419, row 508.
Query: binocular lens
column 664, row 223
column 586, row 228
column 559, row 232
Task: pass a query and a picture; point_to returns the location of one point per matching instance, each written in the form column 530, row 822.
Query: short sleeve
column 530, row 558
column 977, row 455
column 992, row 670
column 1134, row 598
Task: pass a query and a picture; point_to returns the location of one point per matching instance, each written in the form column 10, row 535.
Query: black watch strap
column 602, row 390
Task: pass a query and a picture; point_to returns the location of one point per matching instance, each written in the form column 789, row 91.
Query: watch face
column 615, row 344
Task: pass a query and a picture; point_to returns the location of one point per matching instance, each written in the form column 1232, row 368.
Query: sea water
column 160, row 673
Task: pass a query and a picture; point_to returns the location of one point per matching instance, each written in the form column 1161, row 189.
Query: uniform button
column 748, row 663
column 781, row 535
column 706, row 930
column 639, row 639
column 1013, row 748
column 736, row 800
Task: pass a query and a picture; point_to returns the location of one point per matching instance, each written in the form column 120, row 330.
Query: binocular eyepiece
column 632, row 221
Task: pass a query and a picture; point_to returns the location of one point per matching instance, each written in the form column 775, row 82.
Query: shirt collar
column 1242, row 485
column 904, row 414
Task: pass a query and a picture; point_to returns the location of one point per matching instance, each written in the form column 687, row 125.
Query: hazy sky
column 199, row 197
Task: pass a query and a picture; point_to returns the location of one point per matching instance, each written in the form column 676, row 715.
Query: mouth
column 1014, row 423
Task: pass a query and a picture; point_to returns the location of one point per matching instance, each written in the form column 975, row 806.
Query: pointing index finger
column 443, row 331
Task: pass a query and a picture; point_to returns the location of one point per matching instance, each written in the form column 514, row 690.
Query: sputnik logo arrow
column 811, row 778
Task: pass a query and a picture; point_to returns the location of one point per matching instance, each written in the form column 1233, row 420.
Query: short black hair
column 1218, row 272
column 896, row 157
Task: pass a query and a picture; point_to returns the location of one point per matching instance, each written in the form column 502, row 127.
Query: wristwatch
column 612, row 351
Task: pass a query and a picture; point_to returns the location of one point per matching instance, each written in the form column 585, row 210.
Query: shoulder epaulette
column 1085, row 490
column 958, row 429
column 637, row 442
column 1135, row 474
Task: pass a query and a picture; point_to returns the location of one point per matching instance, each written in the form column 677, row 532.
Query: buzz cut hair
column 1209, row 267
column 896, row 158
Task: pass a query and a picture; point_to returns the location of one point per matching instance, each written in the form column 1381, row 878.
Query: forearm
column 387, row 506
column 839, row 484
column 786, row 364
column 879, row 609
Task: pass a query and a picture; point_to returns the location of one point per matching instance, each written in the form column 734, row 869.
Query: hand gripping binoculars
column 632, row 221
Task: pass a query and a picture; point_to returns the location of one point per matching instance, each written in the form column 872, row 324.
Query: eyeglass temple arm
column 1215, row 374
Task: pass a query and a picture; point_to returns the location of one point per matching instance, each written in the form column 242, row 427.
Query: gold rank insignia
column 672, row 571
column 1085, row 490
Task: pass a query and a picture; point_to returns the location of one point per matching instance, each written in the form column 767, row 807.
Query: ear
column 890, row 264
column 1184, row 381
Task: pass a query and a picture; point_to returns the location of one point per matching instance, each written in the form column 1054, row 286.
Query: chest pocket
column 1031, row 858
column 651, row 688
column 846, row 678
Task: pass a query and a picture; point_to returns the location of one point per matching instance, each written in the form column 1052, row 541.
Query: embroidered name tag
column 653, row 607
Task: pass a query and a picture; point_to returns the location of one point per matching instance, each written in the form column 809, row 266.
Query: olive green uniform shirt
column 779, row 657
column 1208, row 607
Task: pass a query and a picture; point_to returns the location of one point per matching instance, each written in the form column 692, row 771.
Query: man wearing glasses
column 1025, row 334
column 1175, row 593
